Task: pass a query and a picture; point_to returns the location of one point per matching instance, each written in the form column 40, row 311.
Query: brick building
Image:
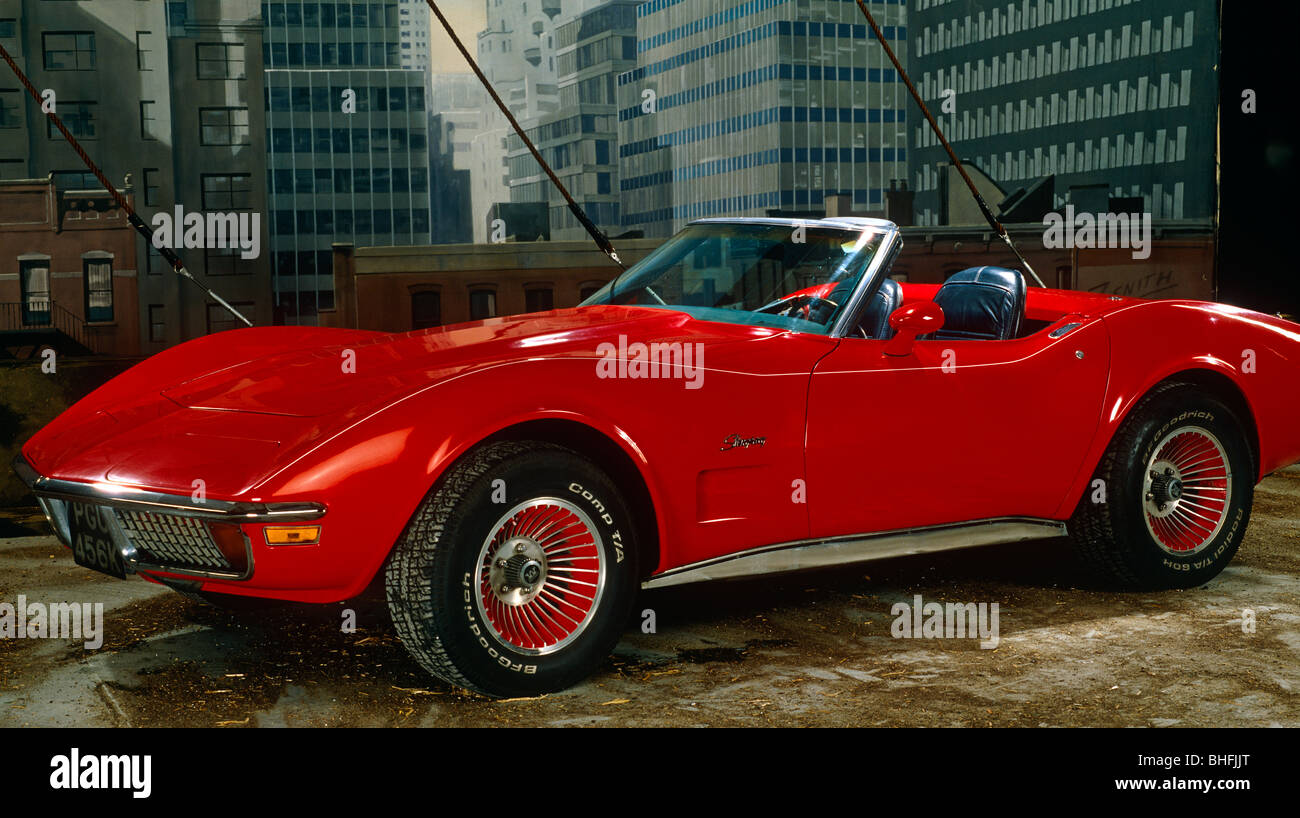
column 68, row 271
column 397, row 289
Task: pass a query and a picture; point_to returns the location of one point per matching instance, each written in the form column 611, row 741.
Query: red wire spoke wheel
column 1179, row 478
column 517, row 574
column 1187, row 490
column 541, row 575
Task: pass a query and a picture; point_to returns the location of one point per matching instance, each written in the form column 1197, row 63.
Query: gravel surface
column 811, row 649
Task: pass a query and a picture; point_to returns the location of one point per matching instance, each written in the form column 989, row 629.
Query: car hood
column 267, row 396
column 306, row 382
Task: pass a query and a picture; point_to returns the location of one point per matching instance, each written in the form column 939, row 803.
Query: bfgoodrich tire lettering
column 1179, row 479
column 517, row 573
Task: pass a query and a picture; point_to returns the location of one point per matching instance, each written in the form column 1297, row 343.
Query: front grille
column 172, row 540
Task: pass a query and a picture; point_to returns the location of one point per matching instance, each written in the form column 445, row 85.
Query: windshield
column 795, row 277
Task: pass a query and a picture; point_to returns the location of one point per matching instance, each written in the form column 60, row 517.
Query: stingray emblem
column 737, row 442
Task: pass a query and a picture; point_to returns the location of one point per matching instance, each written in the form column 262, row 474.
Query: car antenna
column 602, row 241
column 979, row 200
column 131, row 216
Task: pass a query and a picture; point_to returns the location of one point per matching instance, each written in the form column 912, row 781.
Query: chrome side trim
column 806, row 554
column 109, row 494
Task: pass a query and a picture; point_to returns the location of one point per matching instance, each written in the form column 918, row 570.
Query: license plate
column 93, row 545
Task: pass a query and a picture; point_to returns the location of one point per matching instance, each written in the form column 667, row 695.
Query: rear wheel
column 517, row 573
column 1178, row 485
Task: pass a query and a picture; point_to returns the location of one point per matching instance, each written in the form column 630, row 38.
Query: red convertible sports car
column 756, row 396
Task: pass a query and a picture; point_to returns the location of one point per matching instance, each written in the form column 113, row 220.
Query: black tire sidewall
column 469, row 641
column 1153, row 565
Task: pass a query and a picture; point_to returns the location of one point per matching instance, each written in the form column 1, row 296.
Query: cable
column 131, row 216
column 602, row 241
column 979, row 200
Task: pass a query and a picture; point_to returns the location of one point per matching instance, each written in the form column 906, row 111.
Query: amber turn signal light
column 292, row 534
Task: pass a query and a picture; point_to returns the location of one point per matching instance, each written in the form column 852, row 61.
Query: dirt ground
column 812, row 649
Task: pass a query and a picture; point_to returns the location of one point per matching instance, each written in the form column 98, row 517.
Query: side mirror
column 910, row 321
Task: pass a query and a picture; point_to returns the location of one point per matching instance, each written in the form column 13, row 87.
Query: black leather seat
column 982, row 303
column 875, row 321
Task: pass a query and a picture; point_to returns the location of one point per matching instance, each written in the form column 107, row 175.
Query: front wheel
column 517, row 573
column 1175, row 493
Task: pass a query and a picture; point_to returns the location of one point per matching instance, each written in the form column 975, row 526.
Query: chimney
column 899, row 203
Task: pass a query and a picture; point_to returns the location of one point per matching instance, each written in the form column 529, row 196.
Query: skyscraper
column 580, row 140
column 463, row 112
column 516, row 52
column 413, row 34
column 348, row 149
column 747, row 107
column 1116, row 97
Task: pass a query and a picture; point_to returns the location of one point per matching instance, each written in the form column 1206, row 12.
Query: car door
column 954, row 431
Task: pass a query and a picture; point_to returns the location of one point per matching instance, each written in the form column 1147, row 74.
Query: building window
column 177, row 14
column 34, row 275
column 221, row 261
column 223, row 126
column 233, row 191
column 220, row 61
column 154, row 263
column 426, row 309
column 143, row 54
column 220, row 319
column 11, row 108
column 75, row 180
column 8, row 28
column 78, row 117
column 69, row 50
column 539, row 299
column 99, row 287
column 157, row 326
column 587, row 291
column 151, row 187
column 482, row 304
column 148, row 119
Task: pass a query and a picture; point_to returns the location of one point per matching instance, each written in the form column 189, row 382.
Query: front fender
column 373, row 474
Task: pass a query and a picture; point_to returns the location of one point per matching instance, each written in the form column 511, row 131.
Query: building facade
column 1112, row 96
column 159, row 95
column 516, row 52
column 413, row 35
column 752, row 107
column 464, row 113
column 69, row 278
column 397, row 289
column 348, row 147
column 580, row 141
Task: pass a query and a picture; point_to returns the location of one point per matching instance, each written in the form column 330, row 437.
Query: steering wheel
column 792, row 304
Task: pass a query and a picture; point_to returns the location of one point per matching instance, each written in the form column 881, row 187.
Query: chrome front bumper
column 158, row 532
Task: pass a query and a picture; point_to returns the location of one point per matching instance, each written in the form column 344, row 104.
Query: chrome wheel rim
column 1186, row 490
column 541, row 575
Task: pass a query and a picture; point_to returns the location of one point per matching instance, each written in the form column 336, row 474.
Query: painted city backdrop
column 329, row 163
